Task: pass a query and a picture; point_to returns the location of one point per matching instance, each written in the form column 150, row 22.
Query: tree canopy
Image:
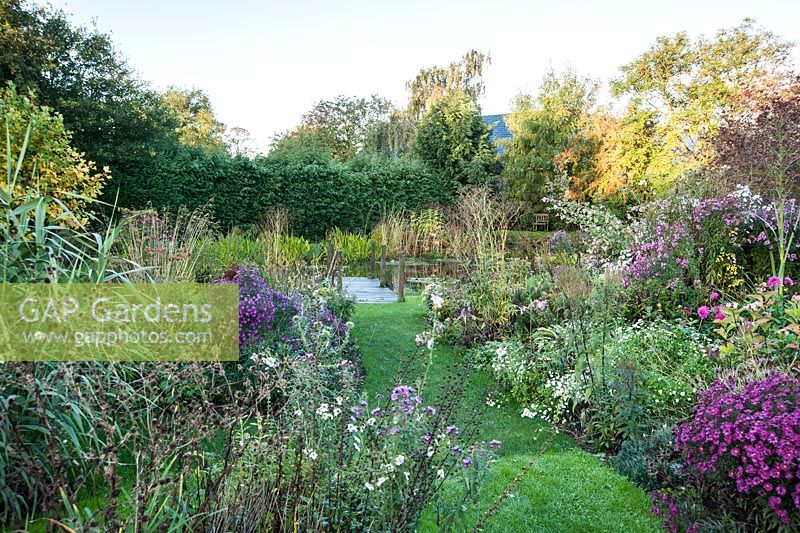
column 464, row 76
column 687, row 85
column 452, row 139
column 545, row 126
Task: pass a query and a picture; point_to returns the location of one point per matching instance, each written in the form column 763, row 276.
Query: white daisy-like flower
column 400, row 459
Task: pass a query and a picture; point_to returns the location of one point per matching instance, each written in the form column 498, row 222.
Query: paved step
column 368, row 290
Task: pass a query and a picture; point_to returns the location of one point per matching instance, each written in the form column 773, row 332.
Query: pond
column 418, row 271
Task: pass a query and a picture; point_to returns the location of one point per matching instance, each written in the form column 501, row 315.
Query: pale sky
column 265, row 63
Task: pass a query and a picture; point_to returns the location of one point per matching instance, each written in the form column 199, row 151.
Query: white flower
column 400, row 459
column 382, row 480
column 527, row 413
column 501, row 351
column 421, row 338
column 389, row 468
column 539, row 305
column 351, row 428
column 430, row 451
column 311, row 454
column 371, row 422
column 440, row 473
column 337, row 411
column 271, row 362
column 430, row 343
column 369, row 486
column 436, row 301
column 408, row 476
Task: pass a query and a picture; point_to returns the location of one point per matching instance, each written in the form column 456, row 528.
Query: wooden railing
column 334, row 271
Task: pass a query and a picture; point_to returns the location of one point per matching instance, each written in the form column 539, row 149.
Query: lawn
column 566, row 490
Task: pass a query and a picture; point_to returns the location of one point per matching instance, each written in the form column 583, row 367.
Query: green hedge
column 321, row 193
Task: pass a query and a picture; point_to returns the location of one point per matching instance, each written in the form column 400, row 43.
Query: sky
column 265, row 63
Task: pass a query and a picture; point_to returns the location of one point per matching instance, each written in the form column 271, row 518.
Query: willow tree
column 431, row 83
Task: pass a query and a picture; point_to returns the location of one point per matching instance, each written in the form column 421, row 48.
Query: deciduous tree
column 688, row 85
column 464, row 76
column 545, row 126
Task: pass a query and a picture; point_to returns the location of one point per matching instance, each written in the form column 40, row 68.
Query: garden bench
column 541, row 221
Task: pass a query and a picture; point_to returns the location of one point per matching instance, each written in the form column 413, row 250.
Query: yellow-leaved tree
column 40, row 161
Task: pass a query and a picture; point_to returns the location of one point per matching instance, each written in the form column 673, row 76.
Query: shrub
column 761, row 332
column 685, row 248
column 748, row 439
column 512, row 364
column 608, row 236
column 652, row 462
column 41, row 161
column 34, row 249
column 619, row 384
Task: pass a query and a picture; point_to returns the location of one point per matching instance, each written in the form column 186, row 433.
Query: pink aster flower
column 773, row 282
column 703, row 312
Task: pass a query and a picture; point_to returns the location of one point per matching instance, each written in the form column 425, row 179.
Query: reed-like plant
column 479, row 225
column 414, row 234
column 168, row 245
column 354, row 247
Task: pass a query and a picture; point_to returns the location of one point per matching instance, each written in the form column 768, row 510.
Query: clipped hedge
column 319, row 192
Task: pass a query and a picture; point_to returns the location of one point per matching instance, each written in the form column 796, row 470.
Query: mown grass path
column 567, row 489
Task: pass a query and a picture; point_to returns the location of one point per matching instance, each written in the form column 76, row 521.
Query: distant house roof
column 499, row 129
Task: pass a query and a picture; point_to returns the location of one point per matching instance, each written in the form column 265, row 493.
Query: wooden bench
column 541, row 222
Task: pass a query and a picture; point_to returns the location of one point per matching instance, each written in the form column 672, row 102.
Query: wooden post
column 383, row 266
column 339, row 273
column 401, row 279
column 329, row 254
column 372, row 265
